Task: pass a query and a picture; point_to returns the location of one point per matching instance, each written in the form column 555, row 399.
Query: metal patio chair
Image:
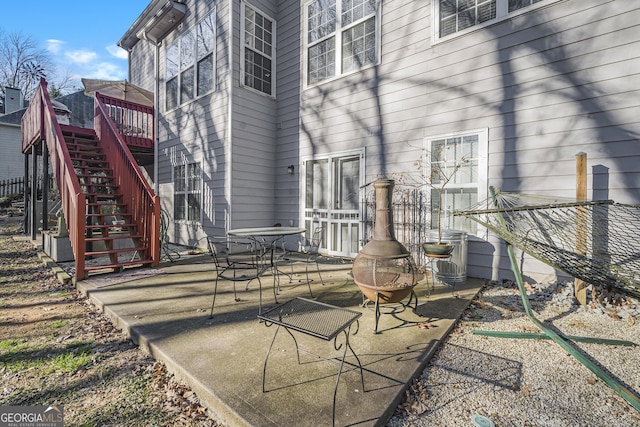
column 238, row 260
column 311, row 252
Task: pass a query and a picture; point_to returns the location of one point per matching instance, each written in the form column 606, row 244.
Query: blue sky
column 81, row 35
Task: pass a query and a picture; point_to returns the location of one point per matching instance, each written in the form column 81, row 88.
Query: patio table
column 257, row 234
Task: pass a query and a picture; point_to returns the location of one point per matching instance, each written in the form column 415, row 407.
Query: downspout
column 230, row 121
column 156, row 120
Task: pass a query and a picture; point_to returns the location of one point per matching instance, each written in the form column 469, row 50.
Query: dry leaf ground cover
column 57, row 348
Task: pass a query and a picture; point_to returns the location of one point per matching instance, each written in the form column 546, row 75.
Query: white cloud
column 117, row 51
column 54, row 46
column 87, row 63
column 81, row 56
column 104, row 71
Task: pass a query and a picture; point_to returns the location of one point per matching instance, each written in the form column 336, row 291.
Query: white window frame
column 187, row 192
column 502, row 13
column 337, row 34
column 197, row 58
column 271, row 57
column 481, row 186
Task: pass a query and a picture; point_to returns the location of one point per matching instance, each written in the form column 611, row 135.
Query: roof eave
column 156, row 20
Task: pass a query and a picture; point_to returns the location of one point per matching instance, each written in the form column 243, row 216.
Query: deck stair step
column 119, row 266
column 96, row 185
column 113, row 237
column 112, row 214
column 106, row 204
column 103, row 196
column 115, row 251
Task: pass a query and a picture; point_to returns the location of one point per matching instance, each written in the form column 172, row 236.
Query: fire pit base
column 388, row 298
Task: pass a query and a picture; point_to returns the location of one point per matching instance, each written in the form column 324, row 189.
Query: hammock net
column 595, row 241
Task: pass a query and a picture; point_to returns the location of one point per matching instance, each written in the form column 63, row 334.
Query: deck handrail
column 38, row 124
column 134, row 122
column 136, row 191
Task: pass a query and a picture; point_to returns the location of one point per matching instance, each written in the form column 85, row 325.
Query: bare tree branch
column 23, row 63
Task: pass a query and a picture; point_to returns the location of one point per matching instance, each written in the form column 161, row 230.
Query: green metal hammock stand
column 595, row 241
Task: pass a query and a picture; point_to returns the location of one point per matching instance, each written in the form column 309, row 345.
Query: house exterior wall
column 142, row 65
column 545, row 83
column 287, row 125
column 196, row 131
column 11, row 147
column 253, row 140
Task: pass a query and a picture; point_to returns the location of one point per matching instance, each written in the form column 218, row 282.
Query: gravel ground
column 523, row 382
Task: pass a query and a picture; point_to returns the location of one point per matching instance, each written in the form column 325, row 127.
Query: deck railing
column 133, row 121
column 39, row 123
column 143, row 203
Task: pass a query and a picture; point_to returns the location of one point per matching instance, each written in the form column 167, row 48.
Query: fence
column 411, row 219
column 15, row 186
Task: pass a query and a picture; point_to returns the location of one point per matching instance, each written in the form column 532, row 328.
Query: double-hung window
column 258, row 34
column 453, row 16
column 342, row 36
column 462, row 160
column 187, row 192
column 190, row 61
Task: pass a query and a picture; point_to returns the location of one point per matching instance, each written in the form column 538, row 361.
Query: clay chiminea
column 384, row 269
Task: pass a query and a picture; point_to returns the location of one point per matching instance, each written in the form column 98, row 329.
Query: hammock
column 595, row 241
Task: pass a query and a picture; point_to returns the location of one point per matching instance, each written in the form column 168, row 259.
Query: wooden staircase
column 111, row 212
column 110, row 231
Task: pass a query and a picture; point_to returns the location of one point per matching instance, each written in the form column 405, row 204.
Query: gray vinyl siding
column 142, row 65
column 253, row 141
column 547, row 84
column 287, row 133
column 11, row 147
column 198, row 132
column 551, row 81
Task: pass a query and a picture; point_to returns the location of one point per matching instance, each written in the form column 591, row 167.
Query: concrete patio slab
column 222, row 358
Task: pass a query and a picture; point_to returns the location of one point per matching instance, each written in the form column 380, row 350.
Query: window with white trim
column 453, row 16
column 187, row 192
column 341, row 36
column 463, row 159
column 258, row 33
column 190, row 63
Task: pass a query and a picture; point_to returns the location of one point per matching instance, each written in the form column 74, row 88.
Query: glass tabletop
column 265, row 231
